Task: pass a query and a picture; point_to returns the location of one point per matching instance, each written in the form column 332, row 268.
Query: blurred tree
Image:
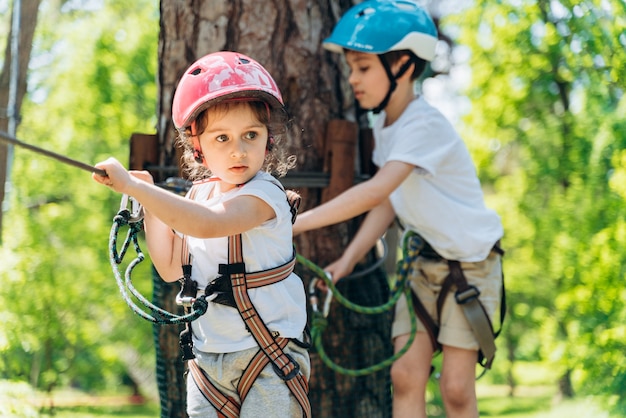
column 14, row 83
column 91, row 82
column 547, row 129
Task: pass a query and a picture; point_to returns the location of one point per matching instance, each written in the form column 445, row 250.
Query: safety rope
column 319, row 320
column 134, row 220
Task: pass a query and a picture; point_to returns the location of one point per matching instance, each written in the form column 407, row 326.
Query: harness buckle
column 291, row 374
column 220, row 291
column 186, row 344
column 466, row 295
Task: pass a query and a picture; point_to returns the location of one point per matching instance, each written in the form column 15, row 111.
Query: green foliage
column 91, row 84
column 547, row 131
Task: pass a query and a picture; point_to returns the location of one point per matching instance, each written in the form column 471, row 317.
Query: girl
column 426, row 179
column 234, row 232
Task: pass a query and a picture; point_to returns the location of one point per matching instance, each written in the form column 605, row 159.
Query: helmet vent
column 196, row 71
column 366, row 11
column 244, row 61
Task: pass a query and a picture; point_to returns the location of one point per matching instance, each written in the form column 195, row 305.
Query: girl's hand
column 117, row 178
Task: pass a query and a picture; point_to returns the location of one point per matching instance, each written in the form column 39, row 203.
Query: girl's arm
column 164, row 247
column 166, row 211
column 357, row 199
column 183, row 215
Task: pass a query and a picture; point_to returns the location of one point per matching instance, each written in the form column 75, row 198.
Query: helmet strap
column 197, row 148
column 392, row 79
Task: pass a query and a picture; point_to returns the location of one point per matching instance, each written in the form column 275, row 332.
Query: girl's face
column 234, row 143
column 368, row 78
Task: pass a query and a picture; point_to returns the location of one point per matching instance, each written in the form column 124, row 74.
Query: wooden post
column 144, row 151
column 341, row 140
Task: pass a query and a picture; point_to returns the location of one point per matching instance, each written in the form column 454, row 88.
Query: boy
column 427, row 179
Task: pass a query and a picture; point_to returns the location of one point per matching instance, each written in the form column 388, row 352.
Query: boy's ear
column 401, row 63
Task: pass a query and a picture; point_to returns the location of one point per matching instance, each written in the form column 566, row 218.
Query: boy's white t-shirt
column 282, row 305
column 442, row 199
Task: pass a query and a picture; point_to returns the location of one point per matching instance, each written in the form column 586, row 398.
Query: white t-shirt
column 282, row 305
column 441, row 199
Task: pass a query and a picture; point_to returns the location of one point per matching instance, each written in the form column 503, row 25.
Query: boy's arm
column 373, row 227
column 356, row 200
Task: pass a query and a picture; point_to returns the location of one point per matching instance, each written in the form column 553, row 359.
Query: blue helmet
column 380, row 26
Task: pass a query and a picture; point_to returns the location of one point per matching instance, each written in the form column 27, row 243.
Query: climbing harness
column 466, row 296
column 231, row 289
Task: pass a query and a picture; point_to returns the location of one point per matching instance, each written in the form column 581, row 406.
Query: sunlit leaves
column 547, row 86
column 91, row 84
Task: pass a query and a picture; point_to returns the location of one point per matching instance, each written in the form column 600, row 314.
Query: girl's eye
column 250, row 135
column 221, row 138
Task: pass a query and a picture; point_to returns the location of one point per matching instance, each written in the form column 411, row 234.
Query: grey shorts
column 426, row 277
column 269, row 395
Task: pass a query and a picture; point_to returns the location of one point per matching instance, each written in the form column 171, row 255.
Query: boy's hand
column 337, row 270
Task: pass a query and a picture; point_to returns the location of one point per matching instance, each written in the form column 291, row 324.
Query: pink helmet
column 220, row 76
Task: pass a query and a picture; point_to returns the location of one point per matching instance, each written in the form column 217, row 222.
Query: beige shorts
column 426, row 277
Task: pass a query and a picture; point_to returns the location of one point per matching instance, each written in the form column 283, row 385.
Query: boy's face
column 368, row 78
column 234, row 143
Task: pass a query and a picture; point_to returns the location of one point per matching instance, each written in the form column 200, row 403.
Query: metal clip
column 136, row 209
column 467, row 295
column 314, row 300
column 185, row 301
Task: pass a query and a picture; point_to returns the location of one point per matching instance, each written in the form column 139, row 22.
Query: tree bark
column 286, row 37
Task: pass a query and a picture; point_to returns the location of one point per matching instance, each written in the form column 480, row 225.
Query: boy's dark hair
column 394, row 56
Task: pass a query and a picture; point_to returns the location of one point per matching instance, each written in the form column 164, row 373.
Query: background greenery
column 542, row 110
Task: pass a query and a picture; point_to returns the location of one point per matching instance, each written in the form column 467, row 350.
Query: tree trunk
column 285, row 36
column 28, row 22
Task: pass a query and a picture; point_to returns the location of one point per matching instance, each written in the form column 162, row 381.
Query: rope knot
column 122, row 217
column 200, row 306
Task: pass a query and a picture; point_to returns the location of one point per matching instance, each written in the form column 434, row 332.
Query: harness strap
column 466, row 296
column 431, row 327
column 271, row 276
column 284, row 365
column 226, row 406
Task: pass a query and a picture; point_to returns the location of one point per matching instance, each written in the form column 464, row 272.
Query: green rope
column 156, row 315
column 319, row 321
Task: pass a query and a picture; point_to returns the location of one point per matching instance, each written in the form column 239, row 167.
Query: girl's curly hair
column 277, row 121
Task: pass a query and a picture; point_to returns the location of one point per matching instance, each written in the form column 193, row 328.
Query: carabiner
column 314, row 300
column 184, row 301
column 136, row 210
